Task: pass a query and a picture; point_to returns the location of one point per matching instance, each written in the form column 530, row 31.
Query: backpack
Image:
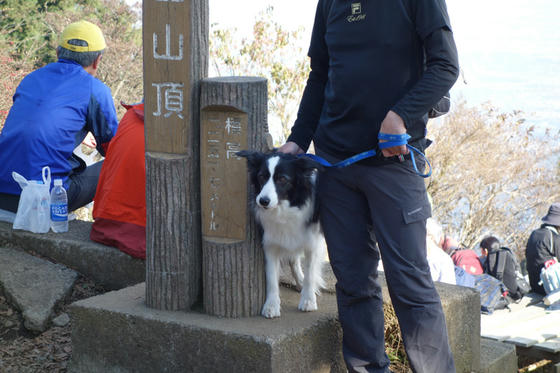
column 463, row 278
column 492, row 293
column 550, row 276
column 468, row 260
column 498, row 266
column 119, row 207
column 550, row 273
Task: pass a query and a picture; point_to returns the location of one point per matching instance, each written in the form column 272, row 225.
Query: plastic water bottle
column 59, row 208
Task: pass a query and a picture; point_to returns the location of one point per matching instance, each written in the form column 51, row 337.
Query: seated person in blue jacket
column 53, row 110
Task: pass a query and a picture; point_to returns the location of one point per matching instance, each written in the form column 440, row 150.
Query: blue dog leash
column 392, row 140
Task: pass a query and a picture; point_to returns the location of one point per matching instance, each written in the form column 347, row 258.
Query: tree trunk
column 234, row 117
column 175, row 39
column 173, row 261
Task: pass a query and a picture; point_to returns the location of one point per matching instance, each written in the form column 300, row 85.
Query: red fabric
column 468, row 260
column 127, row 237
column 119, row 207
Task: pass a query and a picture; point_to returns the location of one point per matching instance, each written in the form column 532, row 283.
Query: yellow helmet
column 86, row 31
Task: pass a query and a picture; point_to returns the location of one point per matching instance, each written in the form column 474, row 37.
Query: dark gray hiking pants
column 389, row 201
column 82, row 186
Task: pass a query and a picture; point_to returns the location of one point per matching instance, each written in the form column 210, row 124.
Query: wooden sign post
column 175, row 34
column 233, row 118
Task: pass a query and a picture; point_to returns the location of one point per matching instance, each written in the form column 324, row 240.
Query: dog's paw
column 271, row 308
column 307, row 304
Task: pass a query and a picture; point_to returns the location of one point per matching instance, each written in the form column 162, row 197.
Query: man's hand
column 394, row 125
column 290, row 148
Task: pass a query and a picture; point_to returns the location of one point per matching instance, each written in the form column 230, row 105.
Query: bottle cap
column 57, row 182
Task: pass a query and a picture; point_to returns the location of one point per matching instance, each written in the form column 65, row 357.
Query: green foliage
column 23, row 22
column 272, row 52
column 29, row 24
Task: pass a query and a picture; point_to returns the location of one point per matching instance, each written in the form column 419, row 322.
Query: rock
column 33, row 285
column 61, row 320
column 9, row 324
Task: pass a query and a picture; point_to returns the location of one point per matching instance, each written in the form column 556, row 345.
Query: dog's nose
column 264, row 201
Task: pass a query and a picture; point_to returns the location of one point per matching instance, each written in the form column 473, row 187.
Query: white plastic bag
column 33, row 213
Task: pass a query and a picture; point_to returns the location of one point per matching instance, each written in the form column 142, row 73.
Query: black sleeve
column 556, row 244
column 310, row 107
column 442, row 70
column 313, row 97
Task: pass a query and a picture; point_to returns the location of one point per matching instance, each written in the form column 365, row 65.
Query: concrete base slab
column 35, row 286
column 116, row 332
column 105, row 265
column 497, row 357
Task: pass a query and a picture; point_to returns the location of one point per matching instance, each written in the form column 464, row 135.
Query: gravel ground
column 24, row 352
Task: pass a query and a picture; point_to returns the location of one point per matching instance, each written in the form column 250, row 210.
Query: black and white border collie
column 286, row 208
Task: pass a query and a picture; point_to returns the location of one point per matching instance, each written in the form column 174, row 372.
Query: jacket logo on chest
column 356, row 13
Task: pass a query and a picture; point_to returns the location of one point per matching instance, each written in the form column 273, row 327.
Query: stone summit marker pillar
column 175, row 34
column 233, row 118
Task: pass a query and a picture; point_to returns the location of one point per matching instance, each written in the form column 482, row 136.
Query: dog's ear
column 308, row 165
column 254, row 159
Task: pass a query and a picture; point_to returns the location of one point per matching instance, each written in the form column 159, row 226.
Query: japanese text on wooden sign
column 167, row 29
column 223, row 174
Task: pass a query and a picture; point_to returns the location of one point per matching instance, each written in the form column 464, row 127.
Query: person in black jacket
column 542, row 246
column 502, row 264
column 377, row 68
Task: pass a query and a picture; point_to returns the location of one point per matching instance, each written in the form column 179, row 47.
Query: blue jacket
column 54, row 108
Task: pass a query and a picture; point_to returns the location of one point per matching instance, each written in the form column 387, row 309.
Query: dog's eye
column 262, row 178
column 282, row 180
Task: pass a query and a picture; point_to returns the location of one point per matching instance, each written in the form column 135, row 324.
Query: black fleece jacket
column 368, row 58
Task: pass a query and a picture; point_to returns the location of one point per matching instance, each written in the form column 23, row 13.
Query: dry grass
column 12, row 71
column 394, row 345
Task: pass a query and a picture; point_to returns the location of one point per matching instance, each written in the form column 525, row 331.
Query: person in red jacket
column 461, row 256
column 119, row 207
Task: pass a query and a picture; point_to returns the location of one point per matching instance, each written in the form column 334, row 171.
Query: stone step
column 497, row 357
column 33, row 285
